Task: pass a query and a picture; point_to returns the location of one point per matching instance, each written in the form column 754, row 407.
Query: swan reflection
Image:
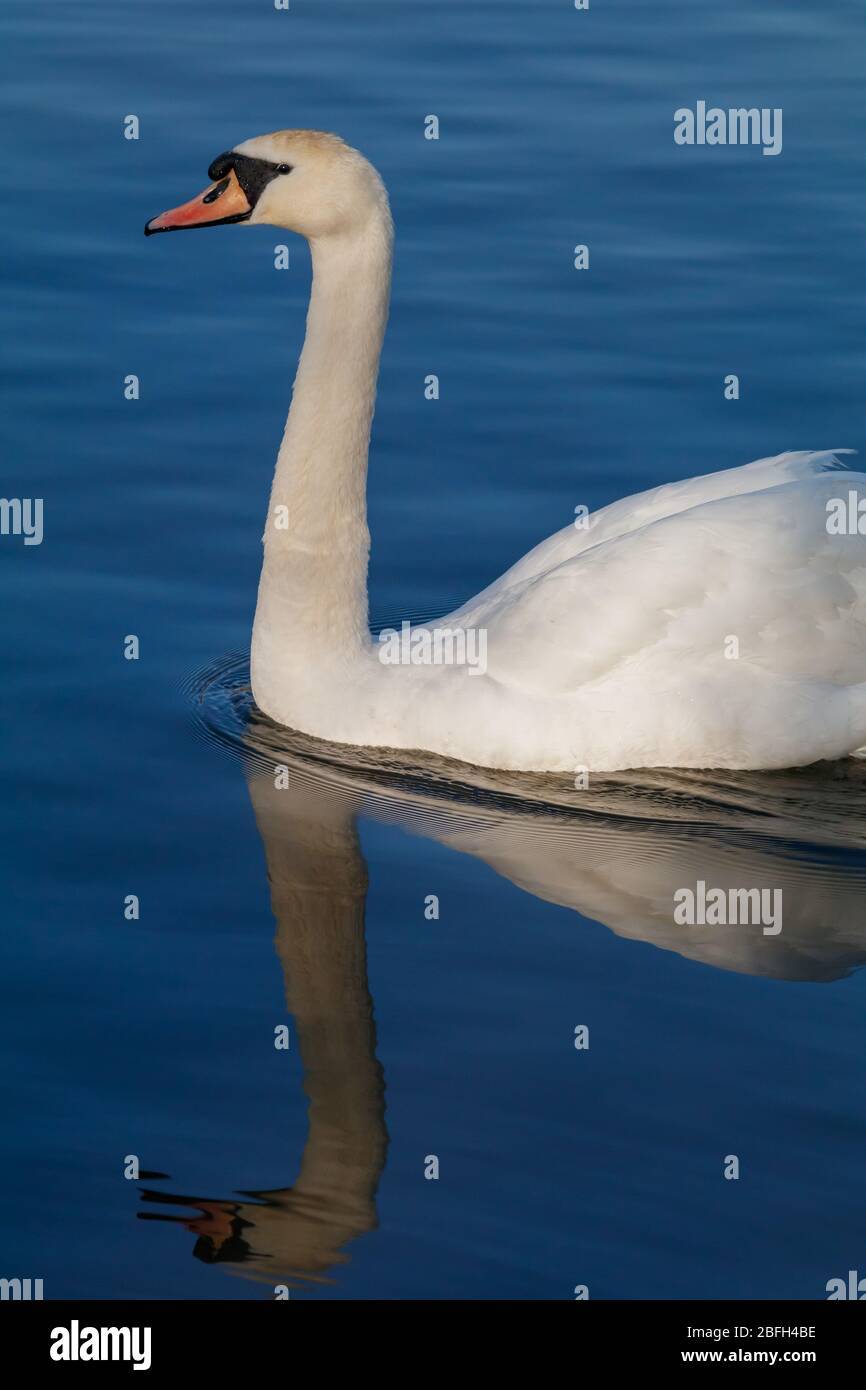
column 615, row 853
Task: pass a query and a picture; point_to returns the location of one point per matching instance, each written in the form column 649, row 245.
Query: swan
column 718, row 622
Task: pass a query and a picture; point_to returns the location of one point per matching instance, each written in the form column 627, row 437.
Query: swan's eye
column 284, row 168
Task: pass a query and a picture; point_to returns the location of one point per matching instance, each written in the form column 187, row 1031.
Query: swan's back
column 713, row 622
column 630, row 513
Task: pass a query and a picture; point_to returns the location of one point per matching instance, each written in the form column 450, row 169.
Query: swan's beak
column 224, row 201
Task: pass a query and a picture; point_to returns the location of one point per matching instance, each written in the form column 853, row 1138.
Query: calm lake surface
column 410, row 1037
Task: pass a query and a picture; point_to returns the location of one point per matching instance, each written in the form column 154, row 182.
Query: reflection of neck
column 313, row 589
column 318, row 887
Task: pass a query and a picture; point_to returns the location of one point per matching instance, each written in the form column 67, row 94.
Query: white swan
column 716, row 622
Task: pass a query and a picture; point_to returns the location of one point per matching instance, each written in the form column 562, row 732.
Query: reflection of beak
column 222, row 202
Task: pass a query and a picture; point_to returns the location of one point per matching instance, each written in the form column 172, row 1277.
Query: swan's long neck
column 312, row 604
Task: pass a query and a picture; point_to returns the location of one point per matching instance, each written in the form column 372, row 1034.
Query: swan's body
column 715, row 622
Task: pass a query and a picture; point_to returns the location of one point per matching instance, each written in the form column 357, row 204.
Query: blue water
column 409, row 1037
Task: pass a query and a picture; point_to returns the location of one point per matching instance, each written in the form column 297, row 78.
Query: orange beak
column 222, row 202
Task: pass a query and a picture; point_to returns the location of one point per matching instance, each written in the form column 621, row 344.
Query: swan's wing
column 661, row 600
column 630, row 513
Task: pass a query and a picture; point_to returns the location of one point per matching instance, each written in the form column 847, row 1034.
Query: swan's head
column 304, row 180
